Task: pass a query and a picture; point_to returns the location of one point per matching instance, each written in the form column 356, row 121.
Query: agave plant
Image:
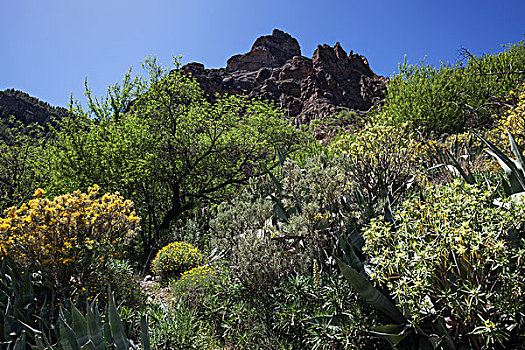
column 514, row 183
column 91, row 333
column 514, row 169
column 453, row 159
column 25, row 306
column 27, row 315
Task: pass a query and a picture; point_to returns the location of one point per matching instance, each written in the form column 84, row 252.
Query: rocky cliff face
column 306, row 88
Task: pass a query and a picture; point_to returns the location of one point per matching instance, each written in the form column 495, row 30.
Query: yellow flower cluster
column 512, row 120
column 176, row 258
column 201, row 276
column 53, row 235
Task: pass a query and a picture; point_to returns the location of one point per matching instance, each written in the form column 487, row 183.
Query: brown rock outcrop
column 267, row 51
column 305, row 88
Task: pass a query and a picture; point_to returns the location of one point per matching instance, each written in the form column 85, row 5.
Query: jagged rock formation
column 305, row 88
column 28, row 109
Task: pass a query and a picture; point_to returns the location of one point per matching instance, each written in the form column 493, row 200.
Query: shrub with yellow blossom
column 512, row 120
column 193, row 286
column 176, row 258
column 70, row 237
column 200, row 276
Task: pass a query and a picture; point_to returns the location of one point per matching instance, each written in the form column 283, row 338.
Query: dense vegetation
column 406, row 233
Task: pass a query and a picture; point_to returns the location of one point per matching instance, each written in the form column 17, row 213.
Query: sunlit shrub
column 69, row 237
column 200, row 275
column 455, row 258
column 452, row 98
column 513, row 120
column 176, row 258
column 195, row 284
column 377, row 154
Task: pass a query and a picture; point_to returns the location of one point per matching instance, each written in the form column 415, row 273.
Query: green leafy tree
column 162, row 143
column 21, row 150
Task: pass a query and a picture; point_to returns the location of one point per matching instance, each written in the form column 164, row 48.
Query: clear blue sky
column 48, row 47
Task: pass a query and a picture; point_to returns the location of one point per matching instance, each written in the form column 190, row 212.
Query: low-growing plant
column 199, row 277
column 27, row 305
column 175, row 327
column 453, row 262
column 120, row 277
column 175, row 259
column 322, row 314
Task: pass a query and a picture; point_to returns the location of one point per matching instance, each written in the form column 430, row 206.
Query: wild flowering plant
column 512, row 120
column 201, row 275
column 176, row 258
column 454, row 256
column 193, row 285
column 69, row 237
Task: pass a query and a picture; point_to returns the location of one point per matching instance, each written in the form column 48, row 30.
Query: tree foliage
column 21, row 152
column 162, row 143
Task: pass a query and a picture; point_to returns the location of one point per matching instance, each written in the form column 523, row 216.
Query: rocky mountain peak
column 306, row 88
column 267, row 51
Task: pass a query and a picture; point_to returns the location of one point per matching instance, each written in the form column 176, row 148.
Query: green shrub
column 119, row 276
column 452, row 98
column 177, row 327
column 375, row 156
column 176, row 258
column 21, row 166
column 456, row 260
column 300, row 312
column 322, row 314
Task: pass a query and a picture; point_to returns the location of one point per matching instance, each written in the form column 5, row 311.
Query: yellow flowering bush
column 201, row 276
column 512, row 120
column 194, row 286
column 176, row 258
column 69, row 237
